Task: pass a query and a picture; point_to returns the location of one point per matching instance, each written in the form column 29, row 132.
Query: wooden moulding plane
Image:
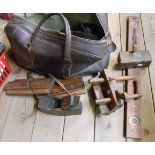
column 133, row 60
column 41, row 86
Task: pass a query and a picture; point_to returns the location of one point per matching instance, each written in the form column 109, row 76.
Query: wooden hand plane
column 107, row 98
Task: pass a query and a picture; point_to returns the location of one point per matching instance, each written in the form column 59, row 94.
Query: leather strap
column 67, row 50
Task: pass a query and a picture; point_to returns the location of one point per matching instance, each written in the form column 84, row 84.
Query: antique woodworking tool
column 66, row 105
column 129, row 59
column 53, row 96
column 124, row 96
column 134, row 58
column 41, row 86
column 107, row 98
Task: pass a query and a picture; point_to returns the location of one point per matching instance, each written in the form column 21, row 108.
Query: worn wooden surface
column 18, row 122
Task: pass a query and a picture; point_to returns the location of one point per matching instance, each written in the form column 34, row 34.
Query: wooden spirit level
column 133, row 108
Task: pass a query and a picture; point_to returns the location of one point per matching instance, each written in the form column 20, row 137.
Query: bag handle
column 67, row 50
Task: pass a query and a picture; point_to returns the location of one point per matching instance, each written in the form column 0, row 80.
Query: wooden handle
column 96, row 80
column 100, row 97
column 103, row 101
column 134, row 96
column 125, row 96
column 124, row 78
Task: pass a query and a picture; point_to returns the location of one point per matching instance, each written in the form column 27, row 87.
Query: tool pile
column 55, row 97
column 108, row 98
column 60, row 97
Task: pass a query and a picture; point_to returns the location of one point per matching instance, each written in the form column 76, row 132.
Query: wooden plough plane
column 107, row 98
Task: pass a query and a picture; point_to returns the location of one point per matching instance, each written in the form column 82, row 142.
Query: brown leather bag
column 63, row 54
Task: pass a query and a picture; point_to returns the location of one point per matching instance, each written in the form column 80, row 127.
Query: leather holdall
column 81, row 47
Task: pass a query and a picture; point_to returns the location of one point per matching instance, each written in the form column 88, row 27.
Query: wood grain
column 18, row 126
column 81, row 127
column 134, row 107
column 147, row 103
column 5, row 101
column 48, row 128
column 110, row 127
column 148, row 23
column 84, row 127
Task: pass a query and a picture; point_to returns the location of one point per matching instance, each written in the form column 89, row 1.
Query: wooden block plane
column 68, row 105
